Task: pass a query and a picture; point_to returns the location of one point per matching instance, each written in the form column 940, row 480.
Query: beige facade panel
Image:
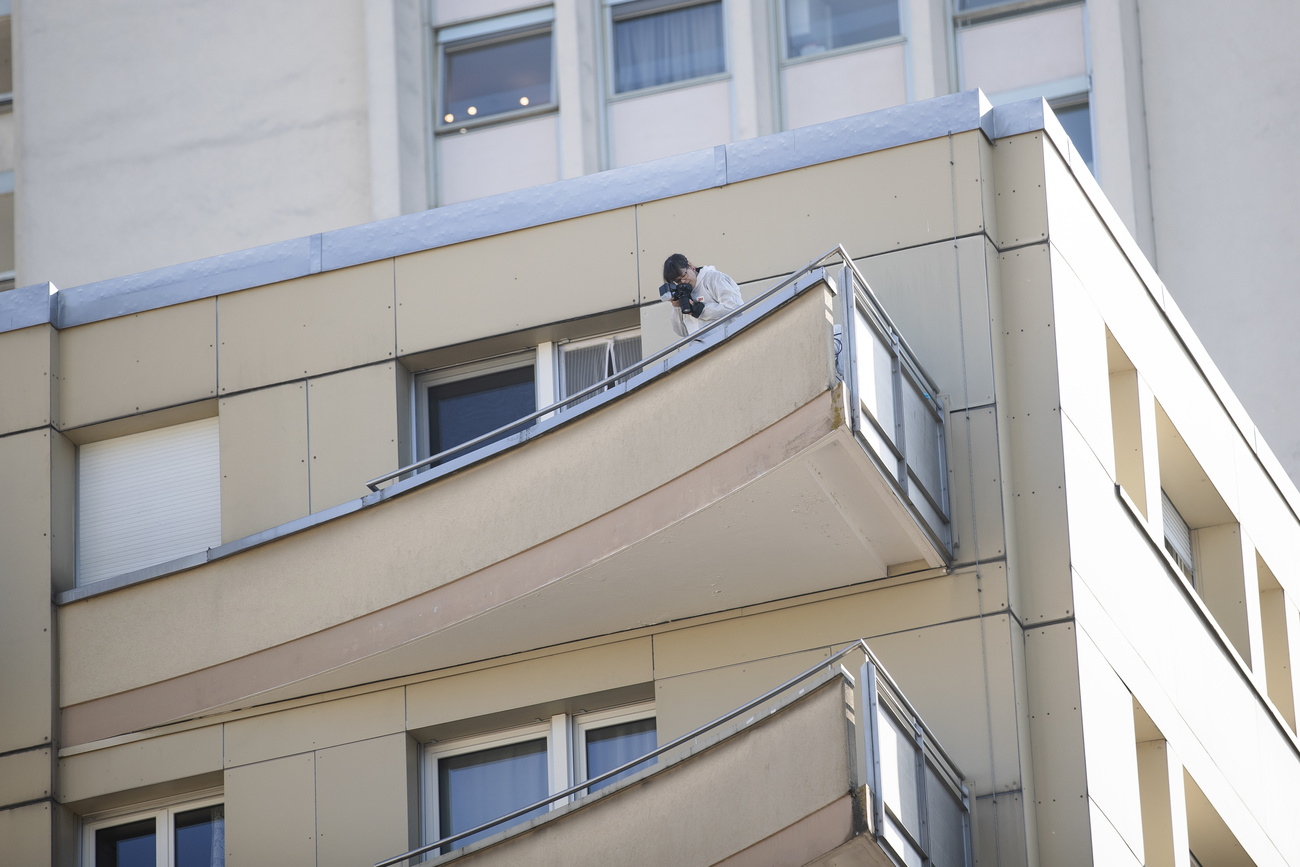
column 814, row 90
column 1024, row 50
column 998, row 830
column 510, row 282
column 1035, row 425
column 137, row 764
column 979, row 531
column 362, row 813
column 306, row 327
column 1018, row 175
column 25, row 776
column 530, row 682
column 1110, row 757
column 352, row 431
column 498, row 159
column 264, row 474
column 1057, row 736
column 313, row 727
column 26, row 647
column 942, row 671
column 26, row 834
column 26, row 390
column 137, row 363
column 688, row 701
column 637, row 131
column 815, row 625
column 271, row 813
column 888, row 200
column 938, row 298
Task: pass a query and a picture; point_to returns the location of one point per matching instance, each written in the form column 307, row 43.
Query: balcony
column 794, row 447
column 867, row 787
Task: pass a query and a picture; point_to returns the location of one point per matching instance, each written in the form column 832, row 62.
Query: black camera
column 682, row 293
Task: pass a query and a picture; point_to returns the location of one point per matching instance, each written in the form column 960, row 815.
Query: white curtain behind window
column 664, row 47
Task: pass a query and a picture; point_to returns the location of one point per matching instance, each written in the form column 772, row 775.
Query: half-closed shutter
column 147, row 498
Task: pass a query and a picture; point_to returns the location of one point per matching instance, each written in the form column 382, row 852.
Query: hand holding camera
column 680, row 293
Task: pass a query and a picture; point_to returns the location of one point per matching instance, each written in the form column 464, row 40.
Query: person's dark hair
column 674, row 266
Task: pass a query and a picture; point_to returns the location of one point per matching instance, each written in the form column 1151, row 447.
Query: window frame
column 162, row 811
column 783, row 39
column 562, row 346
column 611, row 16
column 481, row 32
column 424, row 380
column 565, row 735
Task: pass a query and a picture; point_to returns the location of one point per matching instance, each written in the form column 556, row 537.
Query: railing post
column 900, row 427
column 869, row 710
column 922, row 803
column 848, row 330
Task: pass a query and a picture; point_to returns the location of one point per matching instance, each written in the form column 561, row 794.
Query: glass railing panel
column 924, row 439
column 876, row 391
column 898, row 754
column 946, row 816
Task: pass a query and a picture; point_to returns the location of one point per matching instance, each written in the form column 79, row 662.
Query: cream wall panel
column 938, row 298
column 1033, row 406
column 1056, row 731
column 452, row 11
column 873, row 203
column 352, row 422
column 361, row 802
column 305, row 327
column 26, row 647
column 637, row 131
column 960, row 679
column 263, row 459
column 25, row 776
column 1110, row 754
column 25, row 387
column 533, row 681
column 1164, row 806
column 132, row 765
column 1019, row 179
column 815, row 625
column 509, row 282
column 1083, row 374
column 844, row 85
column 63, row 512
column 686, row 702
column 1227, row 581
column 1023, row 50
column 590, row 467
column 137, row 363
column 271, row 813
column 1267, row 517
column 498, row 159
column 979, row 531
column 998, row 831
column 313, row 727
column 26, row 834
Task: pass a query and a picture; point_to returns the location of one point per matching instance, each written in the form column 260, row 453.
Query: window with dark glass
column 814, row 26
column 477, row 787
column 1075, row 115
column 611, row 746
column 462, row 409
column 498, row 72
column 198, row 839
column 656, row 42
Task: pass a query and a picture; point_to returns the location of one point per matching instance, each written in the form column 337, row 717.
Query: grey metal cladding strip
column 1019, row 117
column 851, row 136
column 521, row 209
column 315, row 253
column 189, row 281
column 28, row 306
column 139, row 576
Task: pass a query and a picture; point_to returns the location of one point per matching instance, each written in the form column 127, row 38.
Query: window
column 147, row 498
column 584, row 363
column 457, row 404
column 660, row 42
column 474, row 780
column 496, row 68
column 1075, row 115
column 1178, row 537
column 814, row 26
column 186, row 835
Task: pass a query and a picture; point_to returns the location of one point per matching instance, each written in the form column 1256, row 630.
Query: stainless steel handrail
column 894, row 694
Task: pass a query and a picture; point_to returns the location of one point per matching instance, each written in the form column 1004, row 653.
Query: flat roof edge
column 509, row 212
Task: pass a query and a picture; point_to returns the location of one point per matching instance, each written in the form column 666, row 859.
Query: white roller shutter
column 147, row 498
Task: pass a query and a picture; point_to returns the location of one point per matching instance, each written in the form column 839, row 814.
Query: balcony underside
column 787, row 507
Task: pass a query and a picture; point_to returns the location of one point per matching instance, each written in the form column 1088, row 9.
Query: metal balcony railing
column 919, row 806
column 896, row 414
